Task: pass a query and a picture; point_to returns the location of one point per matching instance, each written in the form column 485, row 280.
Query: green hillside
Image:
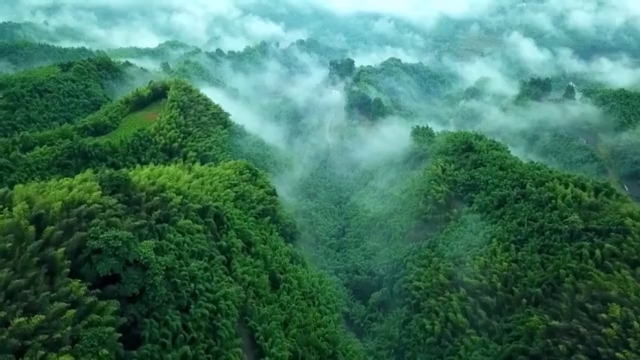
column 18, row 55
column 140, row 119
column 46, row 97
column 165, row 259
column 140, row 220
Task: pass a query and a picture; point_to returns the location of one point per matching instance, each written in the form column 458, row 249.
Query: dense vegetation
column 139, row 220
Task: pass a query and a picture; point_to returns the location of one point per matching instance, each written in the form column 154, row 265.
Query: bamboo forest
column 247, row 180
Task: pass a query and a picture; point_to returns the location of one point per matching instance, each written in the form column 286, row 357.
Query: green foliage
column 127, row 237
column 46, row 97
column 342, row 69
column 39, row 32
column 536, row 89
column 538, row 265
column 564, row 150
column 137, row 120
column 47, row 311
column 164, row 51
column 193, row 256
column 23, row 54
column 194, row 71
column 359, row 103
column 313, row 46
column 620, row 104
column 11, row 31
column 569, row 92
column 119, row 136
column 398, row 87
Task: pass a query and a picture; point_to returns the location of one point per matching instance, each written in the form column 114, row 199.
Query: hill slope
column 50, row 96
column 187, row 127
column 533, row 263
column 186, row 262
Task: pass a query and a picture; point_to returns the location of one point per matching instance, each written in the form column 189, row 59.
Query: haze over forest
column 320, row 179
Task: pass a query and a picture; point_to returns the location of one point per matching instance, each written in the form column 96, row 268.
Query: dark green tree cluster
column 569, row 92
column 188, row 127
column 342, row 69
column 399, row 80
column 359, row 104
column 24, row 54
column 536, row 89
column 313, row 46
column 255, row 58
column 395, row 87
column 620, row 104
column 564, row 148
column 533, row 263
column 167, row 262
column 11, row 31
column 168, row 50
column 39, row 32
column 46, row 97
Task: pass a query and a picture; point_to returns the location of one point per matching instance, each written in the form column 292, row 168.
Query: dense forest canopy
column 307, row 182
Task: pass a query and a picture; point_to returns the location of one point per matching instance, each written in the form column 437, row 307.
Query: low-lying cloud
column 504, row 41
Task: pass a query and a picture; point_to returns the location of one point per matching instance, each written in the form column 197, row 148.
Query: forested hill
column 286, row 202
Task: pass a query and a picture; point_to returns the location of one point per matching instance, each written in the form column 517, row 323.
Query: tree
column 569, row 92
column 342, row 69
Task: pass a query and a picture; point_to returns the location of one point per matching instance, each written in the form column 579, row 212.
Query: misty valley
column 318, row 196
